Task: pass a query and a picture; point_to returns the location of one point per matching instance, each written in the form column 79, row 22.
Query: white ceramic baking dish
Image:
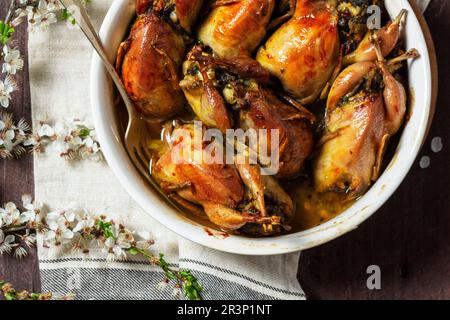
column 113, row 32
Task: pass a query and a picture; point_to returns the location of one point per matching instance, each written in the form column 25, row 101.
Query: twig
column 18, row 229
column 10, row 12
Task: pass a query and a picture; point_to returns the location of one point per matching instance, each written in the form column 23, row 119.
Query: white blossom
column 59, row 231
column 46, row 131
column 12, row 60
column 114, row 250
column 27, row 216
column 20, row 252
column 30, row 204
column 41, row 15
column 31, row 141
column 10, row 215
column 12, row 136
column 84, row 225
column 6, row 88
column 33, row 208
column 6, row 243
column 117, row 245
column 7, row 141
column 29, row 239
column 72, row 139
column 145, row 240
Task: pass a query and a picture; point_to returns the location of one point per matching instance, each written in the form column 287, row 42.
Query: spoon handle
column 86, row 26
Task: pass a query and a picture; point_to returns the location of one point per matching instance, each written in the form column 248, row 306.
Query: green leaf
column 10, row 296
column 65, row 14
column 191, row 292
column 34, row 296
column 133, row 251
column 85, row 132
column 191, row 287
column 105, row 228
column 6, row 31
column 166, row 268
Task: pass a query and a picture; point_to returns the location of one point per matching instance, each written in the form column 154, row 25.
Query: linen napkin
column 59, row 79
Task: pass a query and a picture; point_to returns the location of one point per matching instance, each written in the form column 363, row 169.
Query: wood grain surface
column 409, row 238
column 16, row 176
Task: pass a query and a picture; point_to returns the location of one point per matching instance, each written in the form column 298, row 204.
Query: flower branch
column 39, row 14
column 76, row 230
column 12, row 294
column 72, row 140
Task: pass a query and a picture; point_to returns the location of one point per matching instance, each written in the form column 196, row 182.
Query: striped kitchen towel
column 59, row 76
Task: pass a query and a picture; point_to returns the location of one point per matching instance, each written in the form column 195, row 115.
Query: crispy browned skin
column 304, row 51
column 208, row 182
column 201, row 94
column 142, row 6
column 261, row 110
column 216, row 187
column 148, row 62
column 388, row 37
column 359, row 126
column 210, row 107
column 266, row 111
column 186, row 11
column 236, row 27
column 246, row 67
column 346, row 161
column 242, row 65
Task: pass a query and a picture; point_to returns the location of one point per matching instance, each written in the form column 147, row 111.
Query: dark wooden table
column 16, row 176
column 409, row 238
